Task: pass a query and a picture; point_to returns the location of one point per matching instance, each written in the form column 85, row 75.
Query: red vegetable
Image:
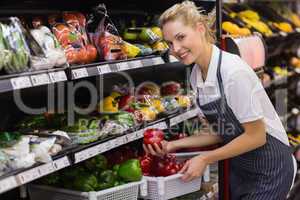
column 153, row 136
column 146, row 164
column 125, row 101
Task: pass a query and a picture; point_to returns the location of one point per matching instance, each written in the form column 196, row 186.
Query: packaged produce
column 104, row 35
column 170, row 88
column 16, row 54
column 54, row 54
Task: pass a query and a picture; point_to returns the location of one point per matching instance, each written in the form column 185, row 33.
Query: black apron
column 265, row 173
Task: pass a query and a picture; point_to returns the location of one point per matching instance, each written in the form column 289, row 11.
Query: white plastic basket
column 163, row 188
column 123, row 192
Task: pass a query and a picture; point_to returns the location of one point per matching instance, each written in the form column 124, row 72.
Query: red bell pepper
column 153, row 136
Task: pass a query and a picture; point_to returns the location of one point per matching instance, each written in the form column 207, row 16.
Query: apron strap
column 220, row 81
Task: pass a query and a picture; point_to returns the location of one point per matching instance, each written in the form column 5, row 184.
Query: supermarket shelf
column 112, row 67
column 80, row 154
column 45, row 77
column 31, row 79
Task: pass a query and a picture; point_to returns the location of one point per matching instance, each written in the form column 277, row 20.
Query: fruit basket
column 127, row 191
column 163, row 188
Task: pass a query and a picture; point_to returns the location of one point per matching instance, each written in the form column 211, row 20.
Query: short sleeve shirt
column 243, row 90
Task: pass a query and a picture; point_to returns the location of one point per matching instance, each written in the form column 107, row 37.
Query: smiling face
column 186, row 42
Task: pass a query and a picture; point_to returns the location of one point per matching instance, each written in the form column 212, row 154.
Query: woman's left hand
column 193, row 168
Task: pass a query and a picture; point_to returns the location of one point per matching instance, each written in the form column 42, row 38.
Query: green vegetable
column 106, row 179
column 9, row 139
column 32, row 122
column 125, row 118
column 116, row 169
column 97, row 163
column 85, row 182
column 130, row 170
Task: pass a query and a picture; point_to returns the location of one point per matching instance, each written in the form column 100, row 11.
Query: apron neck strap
column 220, row 81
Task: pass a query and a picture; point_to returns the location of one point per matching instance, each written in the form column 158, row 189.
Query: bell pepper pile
column 157, row 166
column 95, row 174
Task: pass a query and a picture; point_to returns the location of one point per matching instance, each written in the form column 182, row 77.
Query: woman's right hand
column 157, row 150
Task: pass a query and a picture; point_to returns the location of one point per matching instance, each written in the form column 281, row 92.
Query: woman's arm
column 199, row 140
column 253, row 137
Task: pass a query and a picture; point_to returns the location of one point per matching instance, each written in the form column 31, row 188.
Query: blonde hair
column 190, row 15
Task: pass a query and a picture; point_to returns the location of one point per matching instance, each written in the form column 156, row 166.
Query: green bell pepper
column 130, row 170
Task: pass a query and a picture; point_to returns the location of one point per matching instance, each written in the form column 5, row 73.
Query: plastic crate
column 163, row 188
column 124, row 192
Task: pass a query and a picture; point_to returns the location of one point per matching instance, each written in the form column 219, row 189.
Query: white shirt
column 243, row 90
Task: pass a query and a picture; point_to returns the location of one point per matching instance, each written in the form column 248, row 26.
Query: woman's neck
column 204, row 60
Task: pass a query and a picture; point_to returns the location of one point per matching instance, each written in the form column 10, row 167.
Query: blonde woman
column 236, row 105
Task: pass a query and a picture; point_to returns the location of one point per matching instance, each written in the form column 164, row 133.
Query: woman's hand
column 157, row 150
column 193, row 168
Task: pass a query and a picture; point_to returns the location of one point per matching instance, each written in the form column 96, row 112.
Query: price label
column 101, row 148
column 57, row 76
column 61, row 163
column 140, row 133
column 147, row 62
column 114, row 68
column 20, row 82
column 46, row 169
column 93, row 151
column 122, row 66
column 173, row 59
column 131, row 137
column 28, row 176
column 41, row 79
column 108, row 145
column 83, row 155
column 103, row 69
column 135, row 64
column 157, row 61
column 80, row 73
column 175, row 120
column 161, row 125
column 8, row 183
column 119, row 141
column 284, row 34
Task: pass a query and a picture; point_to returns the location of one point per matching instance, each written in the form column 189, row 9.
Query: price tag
column 83, row 155
column 140, row 133
column 172, row 59
column 147, row 62
column 93, row 151
column 157, row 61
column 103, row 69
column 284, row 34
column 131, row 136
column 175, row 120
column 41, row 79
column 123, row 66
column 108, row 145
column 162, row 125
column 28, row 176
column 80, row 73
column 135, row 64
column 8, row 183
column 61, row 163
column 101, row 148
column 46, row 169
column 20, row 82
column 57, row 76
column 114, row 68
column 119, row 141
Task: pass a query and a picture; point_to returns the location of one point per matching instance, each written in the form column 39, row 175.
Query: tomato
column 153, row 136
column 125, row 101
